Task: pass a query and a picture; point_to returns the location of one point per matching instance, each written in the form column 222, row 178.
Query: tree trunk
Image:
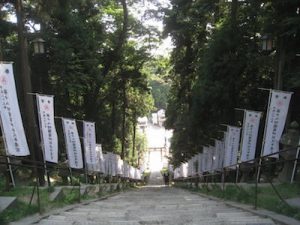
column 133, row 139
column 30, row 119
column 124, row 119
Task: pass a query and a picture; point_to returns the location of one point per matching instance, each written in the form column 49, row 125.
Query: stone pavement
column 155, row 205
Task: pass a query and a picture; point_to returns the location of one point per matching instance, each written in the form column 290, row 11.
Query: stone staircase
column 155, row 179
column 155, row 206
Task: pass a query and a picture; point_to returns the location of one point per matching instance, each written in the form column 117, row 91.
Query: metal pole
column 295, row 163
column 265, row 131
column 7, row 157
column 237, row 174
column 85, row 164
column 42, row 141
column 223, row 182
column 86, row 172
column 38, row 194
column 71, row 175
column 256, row 187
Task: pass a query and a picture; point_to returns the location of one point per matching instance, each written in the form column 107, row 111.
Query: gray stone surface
column 155, row 179
column 6, row 202
column 294, row 202
column 56, row 194
column 155, row 205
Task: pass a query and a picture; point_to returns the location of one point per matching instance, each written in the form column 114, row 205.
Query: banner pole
column 42, row 142
column 71, row 175
column 237, row 174
column 85, row 163
column 265, row 131
column 86, row 172
column 7, row 154
column 241, row 145
column 295, row 163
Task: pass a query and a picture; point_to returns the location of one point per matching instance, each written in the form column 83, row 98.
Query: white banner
column 200, row 171
column 275, row 122
column 249, row 135
column 89, row 143
column 47, row 127
column 218, row 155
column 12, row 126
column 210, row 158
column 205, row 159
column 232, row 145
column 183, row 170
column 72, row 143
column 100, row 159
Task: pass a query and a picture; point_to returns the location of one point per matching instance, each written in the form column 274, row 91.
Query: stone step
column 7, row 202
column 250, row 221
column 233, row 214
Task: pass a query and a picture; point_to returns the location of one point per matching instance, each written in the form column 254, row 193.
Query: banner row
column 226, row 152
column 15, row 138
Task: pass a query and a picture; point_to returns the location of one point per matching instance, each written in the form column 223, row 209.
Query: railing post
column 256, row 183
column 79, row 193
column 295, row 163
column 38, row 194
column 223, row 183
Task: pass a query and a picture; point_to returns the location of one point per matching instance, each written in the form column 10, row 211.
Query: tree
column 218, row 64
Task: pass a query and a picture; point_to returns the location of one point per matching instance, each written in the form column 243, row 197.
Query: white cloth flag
column 72, row 143
column 232, row 145
column 210, row 158
column 219, row 155
column 200, row 163
column 89, row 137
column 205, row 159
column 100, row 159
column 215, row 157
column 12, row 126
column 47, row 127
column 249, row 135
column 276, row 117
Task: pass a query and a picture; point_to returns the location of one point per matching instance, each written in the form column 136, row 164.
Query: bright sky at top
column 139, row 9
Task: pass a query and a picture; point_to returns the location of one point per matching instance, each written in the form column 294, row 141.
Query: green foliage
column 158, row 70
column 218, row 65
column 93, row 58
column 267, row 198
column 20, row 210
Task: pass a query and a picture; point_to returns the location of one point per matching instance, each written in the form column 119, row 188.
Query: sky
column 139, row 9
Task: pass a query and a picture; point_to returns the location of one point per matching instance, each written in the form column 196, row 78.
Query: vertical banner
column 249, row 134
column 215, row 157
column 89, row 143
column 100, row 159
column 184, row 169
column 12, row 126
column 232, row 145
column 47, row 127
column 218, row 155
column 72, row 143
column 200, row 163
column 205, row 159
column 210, row 158
column 276, row 116
column 221, row 145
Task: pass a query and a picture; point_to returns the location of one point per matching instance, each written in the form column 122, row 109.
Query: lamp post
column 38, row 46
column 268, row 45
column 40, row 71
column 31, row 128
column 267, row 42
column 39, row 65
